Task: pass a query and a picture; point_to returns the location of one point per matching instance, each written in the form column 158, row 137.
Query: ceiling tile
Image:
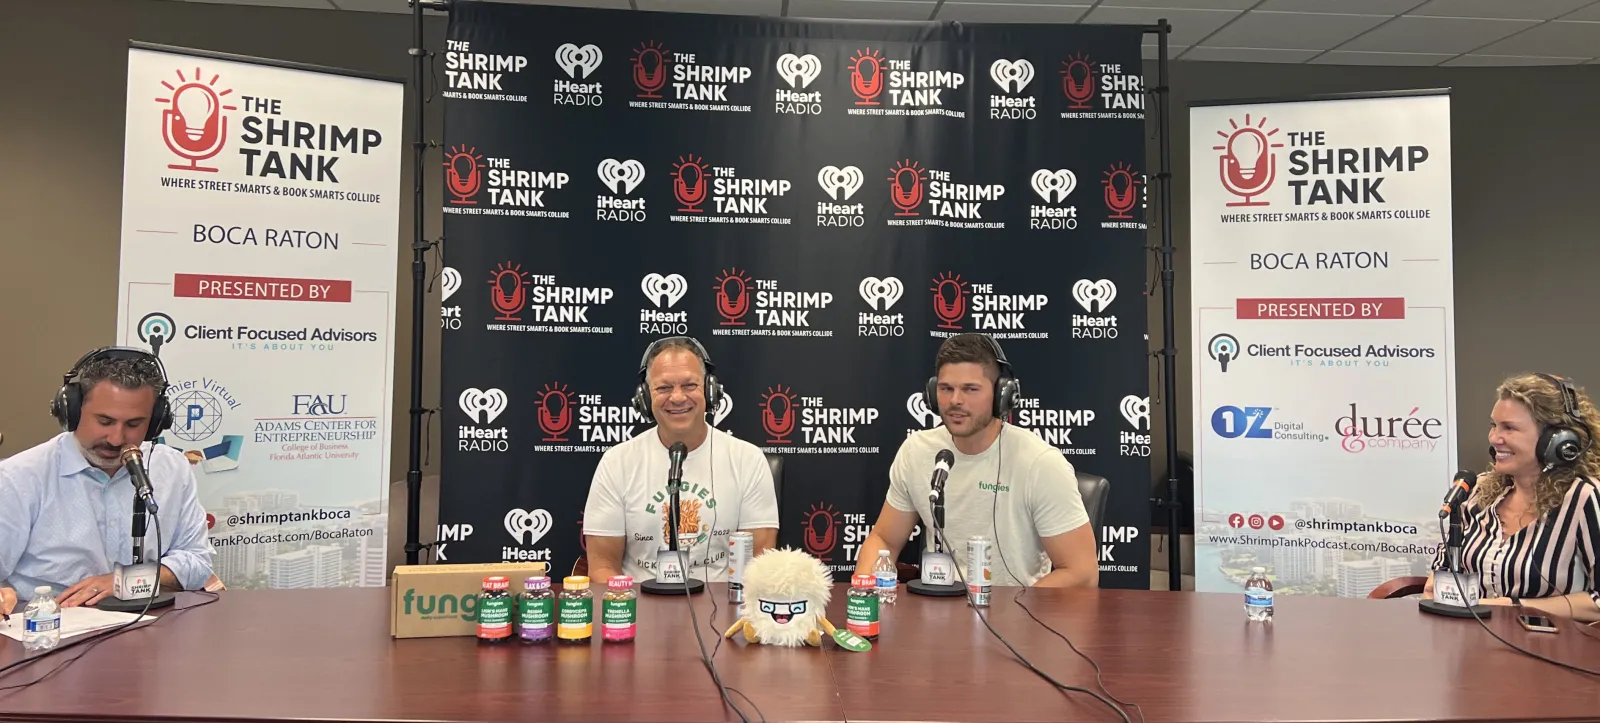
column 1292, row 30
column 1188, row 26
column 1513, row 9
column 984, row 12
column 720, row 7
column 1351, row 57
column 1571, row 40
column 316, row 4
column 1249, row 55
column 1487, row 60
column 862, row 9
column 1182, row 4
column 1591, row 12
column 1362, row 7
column 1435, row 35
column 375, row 6
column 1151, row 52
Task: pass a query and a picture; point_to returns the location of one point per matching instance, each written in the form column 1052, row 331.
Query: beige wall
column 1525, row 240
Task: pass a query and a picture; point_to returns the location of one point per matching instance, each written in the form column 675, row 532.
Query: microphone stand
column 162, row 598
column 657, row 587
column 1452, row 560
column 917, row 586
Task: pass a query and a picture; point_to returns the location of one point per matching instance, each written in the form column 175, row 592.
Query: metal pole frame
column 1173, row 503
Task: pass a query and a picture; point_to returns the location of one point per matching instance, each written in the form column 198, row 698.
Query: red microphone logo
column 463, row 174
column 866, row 76
column 1248, row 166
column 509, row 291
column 1077, row 81
column 949, row 300
column 689, row 183
column 192, row 124
column 905, row 187
column 777, row 414
column 822, row 531
column 1122, row 184
column 555, row 412
column 650, row 68
column 733, row 296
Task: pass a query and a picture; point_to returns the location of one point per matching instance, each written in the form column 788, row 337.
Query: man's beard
column 101, row 454
column 977, row 426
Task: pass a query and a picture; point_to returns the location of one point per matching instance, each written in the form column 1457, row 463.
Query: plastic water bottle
column 1258, row 596
column 43, row 620
column 888, row 577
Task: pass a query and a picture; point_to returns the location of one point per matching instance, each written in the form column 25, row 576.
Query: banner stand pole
column 1173, row 504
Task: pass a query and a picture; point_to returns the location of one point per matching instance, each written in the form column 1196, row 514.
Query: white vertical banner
column 260, row 231
column 1323, row 339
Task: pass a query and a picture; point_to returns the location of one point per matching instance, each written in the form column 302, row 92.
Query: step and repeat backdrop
column 821, row 204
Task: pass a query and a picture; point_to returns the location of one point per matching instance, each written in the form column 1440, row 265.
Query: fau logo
column 192, row 124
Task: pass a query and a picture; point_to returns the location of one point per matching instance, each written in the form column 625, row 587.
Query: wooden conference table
column 327, row 655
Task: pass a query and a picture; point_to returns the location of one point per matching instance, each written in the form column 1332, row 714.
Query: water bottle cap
column 883, row 553
column 41, row 591
column 1258, row 570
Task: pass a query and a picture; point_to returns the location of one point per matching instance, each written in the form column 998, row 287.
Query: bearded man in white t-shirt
column 1007, row 484
column 727, row 483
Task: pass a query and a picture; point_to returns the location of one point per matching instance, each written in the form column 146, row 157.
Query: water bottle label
column 888, row 580
column 43, row 625
column 1258, row 597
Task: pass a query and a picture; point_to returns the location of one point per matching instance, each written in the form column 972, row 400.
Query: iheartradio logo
column 1248, row 165
column 1090, row 294
column 555, row 411
column 906, row 181
column 1011, row 75
column 733, row 296
column 620, row 177
column 664, row 291
column 724, row 408
column 1077, row 81
column 463, row 174
column 778, row 414
column 509, row 291
column 578, row 62
column 840, row 183
column 450, row 282
column 917, row 407
column 482, row 405
column 1136, row 410
column 886, row 290
column 1053, row 186
column 650, row 69
column 866, row 76
column 192, row 124
column 950, row 299
column 799, row 70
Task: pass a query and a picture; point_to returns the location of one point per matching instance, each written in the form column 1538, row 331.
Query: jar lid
column 620, row 582
column 496, row 582
column 576, row 582
column 536, row 582
column 863, row 580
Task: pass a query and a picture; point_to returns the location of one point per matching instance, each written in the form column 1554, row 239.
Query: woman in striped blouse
column 1532, row 526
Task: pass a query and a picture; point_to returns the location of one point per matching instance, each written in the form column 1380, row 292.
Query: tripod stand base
column 1453, row 611
column 656, row 587
column 954, row 589
column 111, row 604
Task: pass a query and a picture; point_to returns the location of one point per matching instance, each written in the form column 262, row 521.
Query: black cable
column 694, row 621
column 1462, row 591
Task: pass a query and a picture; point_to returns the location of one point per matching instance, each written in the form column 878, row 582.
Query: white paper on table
column 74, row 621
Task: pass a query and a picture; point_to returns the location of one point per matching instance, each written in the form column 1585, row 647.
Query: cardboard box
column 435, row 601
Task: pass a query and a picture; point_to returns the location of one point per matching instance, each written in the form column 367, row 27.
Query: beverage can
column 980, row 577
column 741, row 547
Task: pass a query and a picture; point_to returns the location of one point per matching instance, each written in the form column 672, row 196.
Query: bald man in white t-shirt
column 727, row 483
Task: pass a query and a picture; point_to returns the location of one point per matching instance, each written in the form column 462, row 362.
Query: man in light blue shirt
column 66, row 506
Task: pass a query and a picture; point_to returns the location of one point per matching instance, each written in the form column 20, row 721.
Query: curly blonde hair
column 1544, row 401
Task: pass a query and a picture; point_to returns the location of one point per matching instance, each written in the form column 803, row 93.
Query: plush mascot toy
column 786, row 593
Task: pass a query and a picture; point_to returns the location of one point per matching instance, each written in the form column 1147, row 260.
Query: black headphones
column 1006, row 390
column 641, row 393
column 67, row 406
column 1559, row 444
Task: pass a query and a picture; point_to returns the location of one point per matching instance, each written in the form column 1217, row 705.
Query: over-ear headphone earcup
column 930, row 394
column 713, row 393
column 1559, row 446
column 71, row 406
column 641, row 402
column 160, row 418
column 1005, row 398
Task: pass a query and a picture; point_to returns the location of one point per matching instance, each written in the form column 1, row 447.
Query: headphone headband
column 1569, row 396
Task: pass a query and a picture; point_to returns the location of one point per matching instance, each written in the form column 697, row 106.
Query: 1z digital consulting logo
column 912, row 92
column 1120, row 94
column 515, row 293
column 734, row 199
column 465, row 70
column 482, row 406
column 1231, row 422
column 1136, row 410
column 1003, row 316
column 598, row 426
column 1013, row 77
column 796, row 424
column 578, row 63
column 512, row 191
column 620, row 178
column 778, row 312
column 881, row 295
column 841, row 185
column 798, row 71
column 192, row 123
column 1410, row 433
column 527, row 527
column 956, row 205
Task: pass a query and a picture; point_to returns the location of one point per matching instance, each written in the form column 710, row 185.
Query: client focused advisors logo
column 566, row 417
column 880, row 295
column 1100, row 90
column 483, row 407
column 527, row 527
column 578, row 63
column 840, row 185
column 449, row 284
column 778, row 312
column 473, row 75
column 1124, row 190
column 1231, row 422
column 1223, row 348
column 1094, row 297
column 1136, row 410
column 949, row 202
column 912, row 90
column 156, row 328
column 921, row 410
column 518, row 296
column 1054, row 426
column 240, row 337
column 1400, row 433
column 192, row 123
column 959, row 305
column 620, row 178
column 798, row 71
column 664, row 292
column 1054, row 187
column 675, row 80
column 797, row 424
column 512, row 190
column 719, row 194
column 1247, row 164
column 1014, row 101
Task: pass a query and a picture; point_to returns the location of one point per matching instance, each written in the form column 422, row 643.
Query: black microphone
column 939, row 572
column 133, row 459
column 942, row 463
column 1460, row 490
column 676, row 453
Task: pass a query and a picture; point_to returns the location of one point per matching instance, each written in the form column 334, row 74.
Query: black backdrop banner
column 820, row 203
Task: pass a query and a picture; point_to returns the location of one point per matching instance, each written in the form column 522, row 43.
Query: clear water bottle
column 43, row 621
column 888, row 577
column 1258, row 596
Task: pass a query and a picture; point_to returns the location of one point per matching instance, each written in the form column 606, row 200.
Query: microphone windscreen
column 945, row 459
